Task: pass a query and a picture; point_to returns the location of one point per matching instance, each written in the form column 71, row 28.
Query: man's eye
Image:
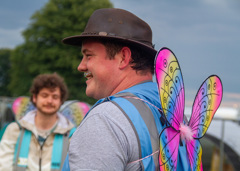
column 44, row 95
column 56, row 97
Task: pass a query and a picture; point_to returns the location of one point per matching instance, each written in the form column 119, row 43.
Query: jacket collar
column 63, row 125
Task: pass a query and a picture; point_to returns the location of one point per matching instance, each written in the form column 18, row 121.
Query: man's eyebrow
column 85, row 50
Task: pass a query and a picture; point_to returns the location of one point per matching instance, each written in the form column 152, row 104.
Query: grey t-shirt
column 104, row 141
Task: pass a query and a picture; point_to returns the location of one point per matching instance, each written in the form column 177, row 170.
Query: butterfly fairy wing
column 171, row 91
column 170, row 84
column 74, row 110
column 205, row 105
column 66, row 110
column 21, row 106
column 194, row 150
column 168, row 152
column 80, row 110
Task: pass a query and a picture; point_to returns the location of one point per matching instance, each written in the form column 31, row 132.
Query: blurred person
column 121, row 131
column 6, row 119
column 39, row 141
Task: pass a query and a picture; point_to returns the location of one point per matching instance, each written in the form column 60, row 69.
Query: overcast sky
column 203, row 34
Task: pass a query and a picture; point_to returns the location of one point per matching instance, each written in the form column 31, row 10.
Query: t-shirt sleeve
column 105, row 140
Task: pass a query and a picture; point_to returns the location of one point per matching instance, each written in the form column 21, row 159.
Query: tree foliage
column 4, row 71
column 43, row 51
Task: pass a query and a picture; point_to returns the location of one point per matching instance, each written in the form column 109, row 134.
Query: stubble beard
column 47, row 114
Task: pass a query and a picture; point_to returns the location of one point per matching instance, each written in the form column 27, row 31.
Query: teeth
column 87, row 74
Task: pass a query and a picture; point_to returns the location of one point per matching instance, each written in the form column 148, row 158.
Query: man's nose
column 82, row 67
column 50, row 99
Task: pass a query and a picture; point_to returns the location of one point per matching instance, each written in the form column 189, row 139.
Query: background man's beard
column 48, row 113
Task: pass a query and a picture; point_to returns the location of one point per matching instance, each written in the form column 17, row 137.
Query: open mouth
column 88, row 75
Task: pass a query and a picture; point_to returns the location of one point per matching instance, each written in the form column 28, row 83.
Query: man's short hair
column 49, row 81
column 141, row 60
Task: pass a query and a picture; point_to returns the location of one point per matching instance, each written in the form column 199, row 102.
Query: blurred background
column 204, row 35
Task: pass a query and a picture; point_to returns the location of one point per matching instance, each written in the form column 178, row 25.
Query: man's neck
column 45, row 122
column 132, row 79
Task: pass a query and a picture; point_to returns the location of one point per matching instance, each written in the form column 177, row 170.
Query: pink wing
column 171, row 92
column 170, row 85
column 206, row 103
column 74, row 110
column 21, row 106
column 194, row 151
column 169, row 143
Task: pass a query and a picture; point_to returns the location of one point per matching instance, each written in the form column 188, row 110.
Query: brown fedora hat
column 118, row 24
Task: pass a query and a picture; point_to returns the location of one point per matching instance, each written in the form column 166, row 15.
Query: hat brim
column 77, row 41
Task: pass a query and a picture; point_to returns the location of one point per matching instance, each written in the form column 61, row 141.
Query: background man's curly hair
column 50, row 81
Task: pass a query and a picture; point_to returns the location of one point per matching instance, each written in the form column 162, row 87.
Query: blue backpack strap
column 137, row 113
column 66, row 166
column 21, row 151
column 59, row 152
column 71, row 132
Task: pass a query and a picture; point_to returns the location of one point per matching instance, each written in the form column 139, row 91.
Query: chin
column 49, row 112
column 89, row 93
column 93, row 94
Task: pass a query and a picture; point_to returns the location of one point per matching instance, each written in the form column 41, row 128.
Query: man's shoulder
column 12, row 131
column 105, row 108
column 13, row 126
column 107, row 112
column 145, row 89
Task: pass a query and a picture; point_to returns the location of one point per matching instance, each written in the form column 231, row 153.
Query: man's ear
column 126, row 57
column 34, row 98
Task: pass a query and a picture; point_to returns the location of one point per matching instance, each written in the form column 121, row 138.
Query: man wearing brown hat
column 121, row 131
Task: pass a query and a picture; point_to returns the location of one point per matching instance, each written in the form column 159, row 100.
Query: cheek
column 103, row 76
column 58, row 103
